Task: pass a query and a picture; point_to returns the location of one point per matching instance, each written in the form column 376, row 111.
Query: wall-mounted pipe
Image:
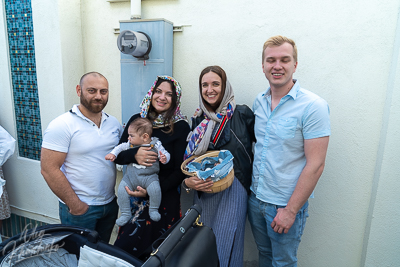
column 136, row 9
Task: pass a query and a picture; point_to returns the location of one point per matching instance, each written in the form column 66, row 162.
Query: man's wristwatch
column 186, row 187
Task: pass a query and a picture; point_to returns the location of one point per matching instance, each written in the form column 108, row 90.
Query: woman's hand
column 139, row 192
column 199, row 184
column 145, row 156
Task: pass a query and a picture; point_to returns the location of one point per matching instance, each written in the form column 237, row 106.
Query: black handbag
column 189, row 244
column 186, row 244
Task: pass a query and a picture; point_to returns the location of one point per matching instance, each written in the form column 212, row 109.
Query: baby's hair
column 142, row 126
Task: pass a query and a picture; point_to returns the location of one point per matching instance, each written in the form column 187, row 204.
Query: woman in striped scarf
column 221, row 124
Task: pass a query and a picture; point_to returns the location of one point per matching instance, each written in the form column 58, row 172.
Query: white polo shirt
column 90, row 175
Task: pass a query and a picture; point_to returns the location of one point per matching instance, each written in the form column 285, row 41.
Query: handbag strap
column 151, row 248
column 160, row 256
column 166, row 233
column 196, row 208
column 172, row 237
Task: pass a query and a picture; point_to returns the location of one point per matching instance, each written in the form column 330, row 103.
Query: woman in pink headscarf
column 161, row 105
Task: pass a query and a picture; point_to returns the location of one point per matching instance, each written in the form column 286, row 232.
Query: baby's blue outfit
column 206, row 169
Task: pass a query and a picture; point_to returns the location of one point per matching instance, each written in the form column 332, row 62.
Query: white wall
column 59, row 62
column 71, row 45
column 22, row 175
column 383, row 246
column 346, row 55
column 6, row 101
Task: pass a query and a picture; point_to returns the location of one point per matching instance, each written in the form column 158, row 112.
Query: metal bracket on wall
column 180, row 28
column 116, row 1
column 175, row 29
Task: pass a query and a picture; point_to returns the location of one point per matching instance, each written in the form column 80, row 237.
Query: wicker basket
column 218, row 186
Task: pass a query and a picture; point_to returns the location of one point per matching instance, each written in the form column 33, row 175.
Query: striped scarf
column 200, row 131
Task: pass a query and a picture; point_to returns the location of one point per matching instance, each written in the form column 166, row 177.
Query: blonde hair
column 279, row 40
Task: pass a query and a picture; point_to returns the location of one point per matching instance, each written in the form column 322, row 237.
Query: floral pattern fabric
column 146, row 102
column 5, row 211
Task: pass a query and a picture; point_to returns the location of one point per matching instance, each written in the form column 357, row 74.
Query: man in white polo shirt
column 72, row 159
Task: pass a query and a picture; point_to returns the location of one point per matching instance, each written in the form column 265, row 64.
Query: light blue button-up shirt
column 279, row 155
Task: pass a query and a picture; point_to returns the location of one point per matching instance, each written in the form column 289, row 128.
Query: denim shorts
column 207, row 168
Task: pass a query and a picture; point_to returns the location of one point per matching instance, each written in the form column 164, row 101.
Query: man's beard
column 89, row 105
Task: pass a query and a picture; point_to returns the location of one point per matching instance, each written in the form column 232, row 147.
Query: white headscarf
column 200, row 137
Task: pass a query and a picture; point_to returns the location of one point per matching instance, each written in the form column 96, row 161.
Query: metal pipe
column 136, row 9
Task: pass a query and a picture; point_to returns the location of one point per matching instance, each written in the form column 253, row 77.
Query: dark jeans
column 100, row 218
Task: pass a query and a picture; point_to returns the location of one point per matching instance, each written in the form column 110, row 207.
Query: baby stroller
column 186, row 244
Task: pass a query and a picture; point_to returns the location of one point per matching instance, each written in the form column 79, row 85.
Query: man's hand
column 79, row 209
column 315, row 152
column 139, row 192
column 145, row 156
column 283, row 220
column 51, row 162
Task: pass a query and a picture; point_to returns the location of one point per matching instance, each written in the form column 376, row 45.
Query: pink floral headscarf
column 160, row 120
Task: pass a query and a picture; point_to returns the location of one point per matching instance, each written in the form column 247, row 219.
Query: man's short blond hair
column 279, row 40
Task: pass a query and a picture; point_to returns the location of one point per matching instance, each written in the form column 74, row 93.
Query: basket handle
column 185, row 162
column 194, row 157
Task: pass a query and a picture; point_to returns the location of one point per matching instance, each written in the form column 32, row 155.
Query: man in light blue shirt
column 292, row 129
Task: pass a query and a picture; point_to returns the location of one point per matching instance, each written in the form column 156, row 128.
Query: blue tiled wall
column 24, row 79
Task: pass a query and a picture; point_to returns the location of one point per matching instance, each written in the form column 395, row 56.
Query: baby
column 140, row 131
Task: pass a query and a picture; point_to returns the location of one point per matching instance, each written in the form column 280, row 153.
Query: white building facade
column 348, row 53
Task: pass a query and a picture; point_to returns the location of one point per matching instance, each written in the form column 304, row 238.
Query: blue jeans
column 275, row 249
column 100, row 218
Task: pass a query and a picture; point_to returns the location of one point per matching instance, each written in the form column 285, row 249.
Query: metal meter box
column 138, row 73
column 137, row 44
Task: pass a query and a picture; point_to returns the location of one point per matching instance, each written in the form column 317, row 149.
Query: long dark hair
column 169, row 114
column 221, row 73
